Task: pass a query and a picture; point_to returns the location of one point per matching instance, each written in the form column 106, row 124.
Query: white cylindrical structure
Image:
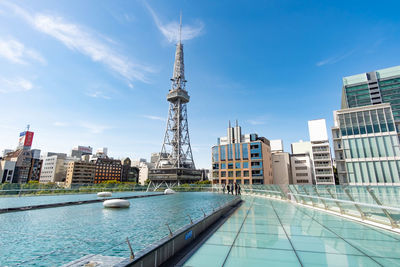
column 116, row 203
column 169, row 191
column 104, row 194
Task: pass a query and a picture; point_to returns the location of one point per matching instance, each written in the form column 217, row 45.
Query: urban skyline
column 88, row 99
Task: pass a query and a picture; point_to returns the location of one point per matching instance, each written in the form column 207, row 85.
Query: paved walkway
column 265, row 232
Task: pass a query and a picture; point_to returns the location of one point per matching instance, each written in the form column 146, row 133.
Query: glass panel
column 379, row 173
column 381, row 146
column 360, row 147
column 386, row 171
column 372, row 173
column 388, row 145
column 367, row 147
column 395, row 171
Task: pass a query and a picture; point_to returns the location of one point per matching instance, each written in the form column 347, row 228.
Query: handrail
column 349, row 202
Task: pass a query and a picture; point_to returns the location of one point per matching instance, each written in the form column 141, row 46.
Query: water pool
column 52, row 237
column 15, row 201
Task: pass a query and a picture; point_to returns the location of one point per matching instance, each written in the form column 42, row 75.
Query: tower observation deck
column 175, row 164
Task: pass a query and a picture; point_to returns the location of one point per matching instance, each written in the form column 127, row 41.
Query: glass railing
column 373, row 204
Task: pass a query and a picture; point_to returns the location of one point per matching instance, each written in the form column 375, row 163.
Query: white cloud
column 150, row 117
column 94, row 128
column 14, row 85
column 171, row 29
column 84, row 41
column 98, row 94
column 333, row 60
column 16, row 52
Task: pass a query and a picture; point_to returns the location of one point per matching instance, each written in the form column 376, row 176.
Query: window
column 230, row 173
column 245, row 165
column 223, row 152
column 237, row 165
column 237, row 151
column 223, row 166
column 223, row 174
column 230, row 165
column 300, row 161
column 246, row 173
column 245, row 151
column 230, row 152
column 301, row 168
column 255, row 155
column 238, row 173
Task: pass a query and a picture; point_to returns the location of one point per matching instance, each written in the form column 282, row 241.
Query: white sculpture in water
column 116, row 203
column 104, row 194
column 169, row 191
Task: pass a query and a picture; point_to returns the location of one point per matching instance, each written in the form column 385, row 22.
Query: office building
column 366, row 145
column 301, row 163
column 107, row 169
column 80, row 172
column 244, row 159
column 36, row 166
column 320, row 152
column 371, row 88
column 54, row 167
column 281, row 167
column 7, row 168
column 129, row 172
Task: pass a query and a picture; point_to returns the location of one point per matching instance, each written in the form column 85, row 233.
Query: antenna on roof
column 27, row 127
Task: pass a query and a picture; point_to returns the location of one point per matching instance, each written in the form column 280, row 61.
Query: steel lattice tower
column 175, row 163
column 176, row 150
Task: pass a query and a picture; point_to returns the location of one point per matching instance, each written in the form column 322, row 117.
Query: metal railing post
column 191, row 222
column 392, row 221
column 346, row 190
column 323, row 201
column 336, row 202
column 130, row 248
column 169, row 229
column 312, row 200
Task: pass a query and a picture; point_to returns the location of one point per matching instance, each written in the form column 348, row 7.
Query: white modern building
column 366, row 146
column 321, row 152
column 301, row 163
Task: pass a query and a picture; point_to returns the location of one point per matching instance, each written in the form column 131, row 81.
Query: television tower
column 175, row 163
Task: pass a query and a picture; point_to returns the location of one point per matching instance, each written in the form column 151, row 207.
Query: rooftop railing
column 371, row 204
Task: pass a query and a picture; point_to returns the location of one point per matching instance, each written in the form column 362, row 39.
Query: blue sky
column 97, row 72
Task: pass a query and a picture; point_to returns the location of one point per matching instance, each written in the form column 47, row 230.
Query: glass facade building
column 371, row 88
column 366, row 146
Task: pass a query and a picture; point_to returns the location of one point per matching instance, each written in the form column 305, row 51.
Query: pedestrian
column 236, row 188
column 228, row 188
column 232, row 189
column 239, row 189
column 223, row 188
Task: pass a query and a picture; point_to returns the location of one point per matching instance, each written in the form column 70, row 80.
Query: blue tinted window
column 223, row 153
column 223, row 166
column 245, row 165
column 245, row 151
column 237, row 165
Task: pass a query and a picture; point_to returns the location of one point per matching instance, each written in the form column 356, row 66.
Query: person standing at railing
column 236, row 188
column 223, row 188
column 228, row 188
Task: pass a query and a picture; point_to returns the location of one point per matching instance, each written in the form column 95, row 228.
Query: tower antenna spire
column 180, row 27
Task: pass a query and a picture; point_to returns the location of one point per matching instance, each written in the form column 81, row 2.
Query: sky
column 97, row 72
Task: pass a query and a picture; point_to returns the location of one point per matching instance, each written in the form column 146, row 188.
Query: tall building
column 175, row 164
column 244, row 159
column 80, row 172
column 281, row 167
column 107, row 169
column 366, row 145
column 371, row 88
column 321, row 152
